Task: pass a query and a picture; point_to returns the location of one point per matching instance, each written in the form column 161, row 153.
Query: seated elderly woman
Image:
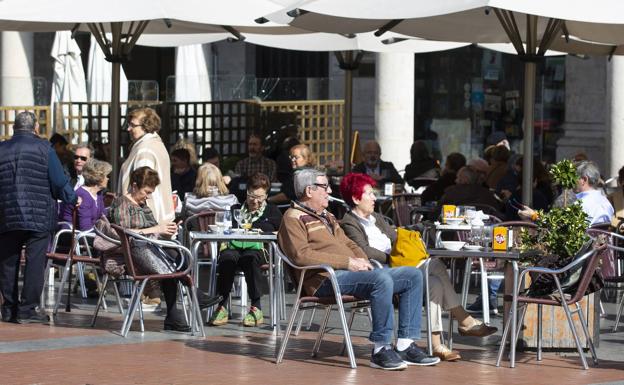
column 247, row 256
column 210, row 192
column 95, row 173
column 131, row 211
column 370, row 231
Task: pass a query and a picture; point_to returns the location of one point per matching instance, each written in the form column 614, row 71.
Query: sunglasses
column 82, row 158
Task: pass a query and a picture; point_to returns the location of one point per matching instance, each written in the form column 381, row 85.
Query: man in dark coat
column 373, row 166
column 31, row 180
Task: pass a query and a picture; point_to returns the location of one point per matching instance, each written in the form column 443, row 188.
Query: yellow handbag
column 409, row 249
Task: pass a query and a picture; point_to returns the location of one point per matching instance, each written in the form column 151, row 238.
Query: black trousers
column 249, row 262
column 10, row 250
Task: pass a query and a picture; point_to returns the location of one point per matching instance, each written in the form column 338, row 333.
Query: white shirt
column 79, row 181
column 376, row 238
column 596, row 206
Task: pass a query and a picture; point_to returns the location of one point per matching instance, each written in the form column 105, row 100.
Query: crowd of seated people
column 151, row 174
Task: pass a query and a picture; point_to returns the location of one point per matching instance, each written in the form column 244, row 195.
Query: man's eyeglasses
column 82, row 158
column 295, row 157
column 256, row 197
column 324, row 186
column 132, row 125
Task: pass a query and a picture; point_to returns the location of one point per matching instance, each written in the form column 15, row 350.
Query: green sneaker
column 254, row 317
column 219, row 317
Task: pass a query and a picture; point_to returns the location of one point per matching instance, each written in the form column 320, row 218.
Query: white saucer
column 473, row 247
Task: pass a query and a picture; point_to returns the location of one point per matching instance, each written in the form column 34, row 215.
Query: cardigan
column 356, row 232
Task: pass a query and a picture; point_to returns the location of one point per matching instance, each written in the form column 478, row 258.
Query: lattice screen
column 321, row 123
column 7, row 118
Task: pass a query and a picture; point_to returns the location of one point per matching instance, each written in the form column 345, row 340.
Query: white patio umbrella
column 531, row 26
column 68, row 80
column 126, row 21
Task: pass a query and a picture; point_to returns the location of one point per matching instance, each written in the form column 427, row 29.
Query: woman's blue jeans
column 379, row 286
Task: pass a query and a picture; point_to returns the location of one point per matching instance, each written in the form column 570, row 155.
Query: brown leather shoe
column 477, row 330
column 446, row 354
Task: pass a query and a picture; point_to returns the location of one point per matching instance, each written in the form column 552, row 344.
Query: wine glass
column 246, row 224
column 487, row 236
column 238, row 217
column 476, row 234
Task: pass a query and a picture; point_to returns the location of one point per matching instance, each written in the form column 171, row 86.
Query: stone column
column 394, row 106
column 585, row 125
column 615, row 99
column 16, row 69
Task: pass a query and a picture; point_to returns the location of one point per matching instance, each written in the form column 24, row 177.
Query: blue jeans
column 379, row 286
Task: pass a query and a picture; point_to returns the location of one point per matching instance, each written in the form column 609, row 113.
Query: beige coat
column 150, row 151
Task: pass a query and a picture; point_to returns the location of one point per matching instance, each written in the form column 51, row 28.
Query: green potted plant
column 562, row 231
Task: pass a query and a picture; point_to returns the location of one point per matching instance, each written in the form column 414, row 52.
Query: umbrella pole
column 529, row 111
column 114, row 124
column 348, row 107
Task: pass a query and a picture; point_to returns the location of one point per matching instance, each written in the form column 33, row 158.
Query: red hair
column 352, row 185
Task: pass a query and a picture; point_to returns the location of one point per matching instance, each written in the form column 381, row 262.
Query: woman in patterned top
column 131, row 212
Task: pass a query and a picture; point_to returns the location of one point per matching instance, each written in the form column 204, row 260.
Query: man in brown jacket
column 309, row 235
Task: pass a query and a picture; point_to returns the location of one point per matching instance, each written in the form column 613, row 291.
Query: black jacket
column 387, row 171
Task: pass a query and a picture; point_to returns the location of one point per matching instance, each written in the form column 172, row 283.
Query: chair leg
column 80, row 273
column 46, row 278
column 579, row 347
column 501, row 349
column 59, row 295
column 141, row 318
column 520, row 321
column 590, row 342
column 182, row 297
column 619, row 313
column 136, row 301
column 344, row 340
column 347, row 334
column 321, row 333
column 99, row 285
column 99, row 301
column 119, row 301
column 539, row 332
column 286, row 335
column 300, row 322
column 196, row 315
column 311, row 319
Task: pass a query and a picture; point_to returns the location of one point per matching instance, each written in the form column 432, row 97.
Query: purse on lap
column 149, row 259
column 408, row 250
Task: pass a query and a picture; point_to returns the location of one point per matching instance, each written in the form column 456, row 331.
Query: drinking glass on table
column 487, row 236
column 220, row 221
column 476, row 234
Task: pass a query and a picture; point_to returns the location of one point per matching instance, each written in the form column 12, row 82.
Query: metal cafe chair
column 303, row 301
column 589, row 262
column 69, row 259
column 140, row 279
column 611, row 272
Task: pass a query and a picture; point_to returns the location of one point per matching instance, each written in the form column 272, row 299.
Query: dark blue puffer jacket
column 31, row 179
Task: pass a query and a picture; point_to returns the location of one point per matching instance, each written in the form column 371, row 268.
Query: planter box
column 556, row 333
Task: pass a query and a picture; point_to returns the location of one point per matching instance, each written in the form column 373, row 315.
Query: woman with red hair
column 370, row 231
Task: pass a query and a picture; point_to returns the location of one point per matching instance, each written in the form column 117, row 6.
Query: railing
column 223, row 125
column 7, row 118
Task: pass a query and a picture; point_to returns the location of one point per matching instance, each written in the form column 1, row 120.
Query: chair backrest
column 125, row 248
column 402, row 204
column 199, row 222
column 587, row 273
column 611, row 256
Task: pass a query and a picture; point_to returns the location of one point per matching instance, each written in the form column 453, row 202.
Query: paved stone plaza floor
column 71, row 352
